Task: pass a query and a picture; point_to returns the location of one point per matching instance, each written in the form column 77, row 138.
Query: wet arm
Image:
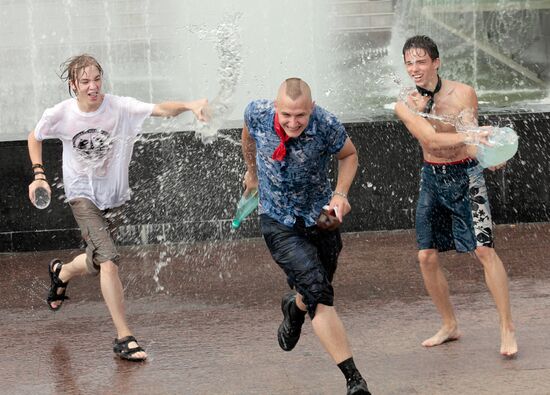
column 347, row 167
column 248, row 146
column 35, row 149
column 424, row 132
column 467, row 118
column 175, row 108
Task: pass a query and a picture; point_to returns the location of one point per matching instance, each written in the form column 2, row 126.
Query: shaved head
column 294, row 88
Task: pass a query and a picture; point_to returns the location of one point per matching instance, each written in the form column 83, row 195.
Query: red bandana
column 280, row 152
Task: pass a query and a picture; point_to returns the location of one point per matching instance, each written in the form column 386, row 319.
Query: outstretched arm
column 175, row 108
column 249, row 155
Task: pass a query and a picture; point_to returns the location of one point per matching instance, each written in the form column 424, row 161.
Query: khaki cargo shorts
column 98, row 231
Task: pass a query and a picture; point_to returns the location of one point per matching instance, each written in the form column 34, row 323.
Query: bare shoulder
column 460, row 95
column 461, row 89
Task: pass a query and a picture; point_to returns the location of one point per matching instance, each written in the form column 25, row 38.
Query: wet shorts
column 453, row 209
column 308, row 256
column 97, row 228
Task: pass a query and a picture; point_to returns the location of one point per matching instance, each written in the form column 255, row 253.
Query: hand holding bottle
column 247, row 204
column 40, row 193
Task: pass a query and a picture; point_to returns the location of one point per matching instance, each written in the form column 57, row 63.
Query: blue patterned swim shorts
column 453, row 209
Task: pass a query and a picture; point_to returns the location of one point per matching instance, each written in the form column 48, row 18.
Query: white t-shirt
column 97, row 146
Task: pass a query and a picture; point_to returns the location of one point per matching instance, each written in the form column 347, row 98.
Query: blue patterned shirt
column 297, row 186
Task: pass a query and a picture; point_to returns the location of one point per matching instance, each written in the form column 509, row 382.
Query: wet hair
column 422, row 42
column 70, row 69
column 296, row 87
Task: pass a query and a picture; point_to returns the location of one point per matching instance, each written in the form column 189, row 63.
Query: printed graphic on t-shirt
column 92, row 147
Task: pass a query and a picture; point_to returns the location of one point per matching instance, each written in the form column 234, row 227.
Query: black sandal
column 56, row 284
column 121, row 349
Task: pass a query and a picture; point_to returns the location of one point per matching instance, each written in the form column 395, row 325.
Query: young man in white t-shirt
column 98, row 132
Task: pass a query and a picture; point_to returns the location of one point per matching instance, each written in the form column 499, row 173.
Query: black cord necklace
column 425, row 92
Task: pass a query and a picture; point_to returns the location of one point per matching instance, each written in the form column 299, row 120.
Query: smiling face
column 294, row 114
column 294, row 106
column 421, row 67
column 87, row 87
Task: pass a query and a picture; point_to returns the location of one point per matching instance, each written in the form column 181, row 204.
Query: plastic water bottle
column 246, row 205
column 504, row 145
column 41, row 198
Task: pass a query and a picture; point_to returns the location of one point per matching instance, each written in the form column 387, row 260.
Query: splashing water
column 503, row 141
column 228, row 46
column 460, row 122
column 163, row 261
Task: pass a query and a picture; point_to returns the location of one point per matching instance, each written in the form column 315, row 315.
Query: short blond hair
column 294, row 88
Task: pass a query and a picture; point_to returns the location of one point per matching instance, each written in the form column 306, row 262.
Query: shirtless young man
column 453, row 209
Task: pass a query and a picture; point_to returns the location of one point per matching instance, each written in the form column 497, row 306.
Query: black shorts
column 308, row 256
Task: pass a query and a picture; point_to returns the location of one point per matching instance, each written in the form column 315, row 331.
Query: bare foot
column 443, row 336
column 508, row 344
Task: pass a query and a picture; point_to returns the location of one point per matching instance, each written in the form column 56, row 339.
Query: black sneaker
column 358, row 388
column 291, row 327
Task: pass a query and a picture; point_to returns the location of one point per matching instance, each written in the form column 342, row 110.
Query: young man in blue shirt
column 287, row 146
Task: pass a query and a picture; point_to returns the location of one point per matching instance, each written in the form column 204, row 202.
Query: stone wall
column 185, row 191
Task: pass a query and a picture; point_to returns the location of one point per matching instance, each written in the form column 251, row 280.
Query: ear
column 312, row 105
column 437, row 63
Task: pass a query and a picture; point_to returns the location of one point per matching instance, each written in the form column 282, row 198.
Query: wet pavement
column 209, row 322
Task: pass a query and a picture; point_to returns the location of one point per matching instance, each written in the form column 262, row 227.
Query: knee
column 427, row 259
column 315, row 295
column 109, row 268
column 322, row 310
column 485, row 254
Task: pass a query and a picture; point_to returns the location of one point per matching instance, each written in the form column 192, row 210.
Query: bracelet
column 39, row 173
column 340, row 194
column 37, row 165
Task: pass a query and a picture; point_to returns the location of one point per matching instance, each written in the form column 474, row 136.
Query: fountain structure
column 186, row 177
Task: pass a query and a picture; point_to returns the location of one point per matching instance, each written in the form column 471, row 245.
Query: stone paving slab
column 209, row 322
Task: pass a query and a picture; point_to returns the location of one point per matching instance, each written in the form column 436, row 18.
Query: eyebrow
column 287, row 113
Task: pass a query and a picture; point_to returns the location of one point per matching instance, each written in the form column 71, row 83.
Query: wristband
column 40, row 173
